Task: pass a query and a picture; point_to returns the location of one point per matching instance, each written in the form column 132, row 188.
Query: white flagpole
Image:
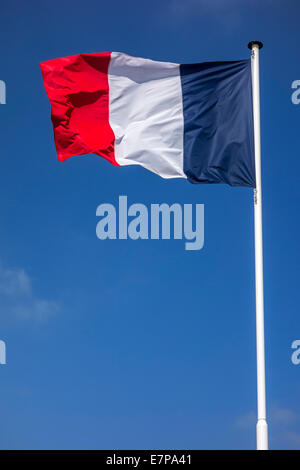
column 261, row 426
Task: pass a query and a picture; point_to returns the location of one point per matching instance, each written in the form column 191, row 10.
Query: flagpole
column 261, row 426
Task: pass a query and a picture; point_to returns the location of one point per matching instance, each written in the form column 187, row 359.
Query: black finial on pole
column 253, row 43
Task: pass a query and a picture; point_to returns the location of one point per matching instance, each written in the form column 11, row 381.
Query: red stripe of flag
column 78, row 90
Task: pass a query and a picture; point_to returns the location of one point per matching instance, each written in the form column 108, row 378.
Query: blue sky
column 141, row 344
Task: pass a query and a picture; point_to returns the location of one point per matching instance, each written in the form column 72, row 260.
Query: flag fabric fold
column 191, row 121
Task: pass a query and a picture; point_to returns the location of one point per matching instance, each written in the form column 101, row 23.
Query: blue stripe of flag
column 218, row 123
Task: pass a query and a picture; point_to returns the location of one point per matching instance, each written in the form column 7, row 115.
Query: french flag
column 178, row 121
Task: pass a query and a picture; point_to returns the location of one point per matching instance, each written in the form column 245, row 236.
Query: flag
column 177, row 120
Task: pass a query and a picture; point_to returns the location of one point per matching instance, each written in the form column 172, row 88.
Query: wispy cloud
column 246, row 421
column 292, row 439
column 286, row 432
column 226, row 13
column 284, row 426
column 284, row 416
column 18, row 301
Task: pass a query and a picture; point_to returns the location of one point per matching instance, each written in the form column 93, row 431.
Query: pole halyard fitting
column 255, row 195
